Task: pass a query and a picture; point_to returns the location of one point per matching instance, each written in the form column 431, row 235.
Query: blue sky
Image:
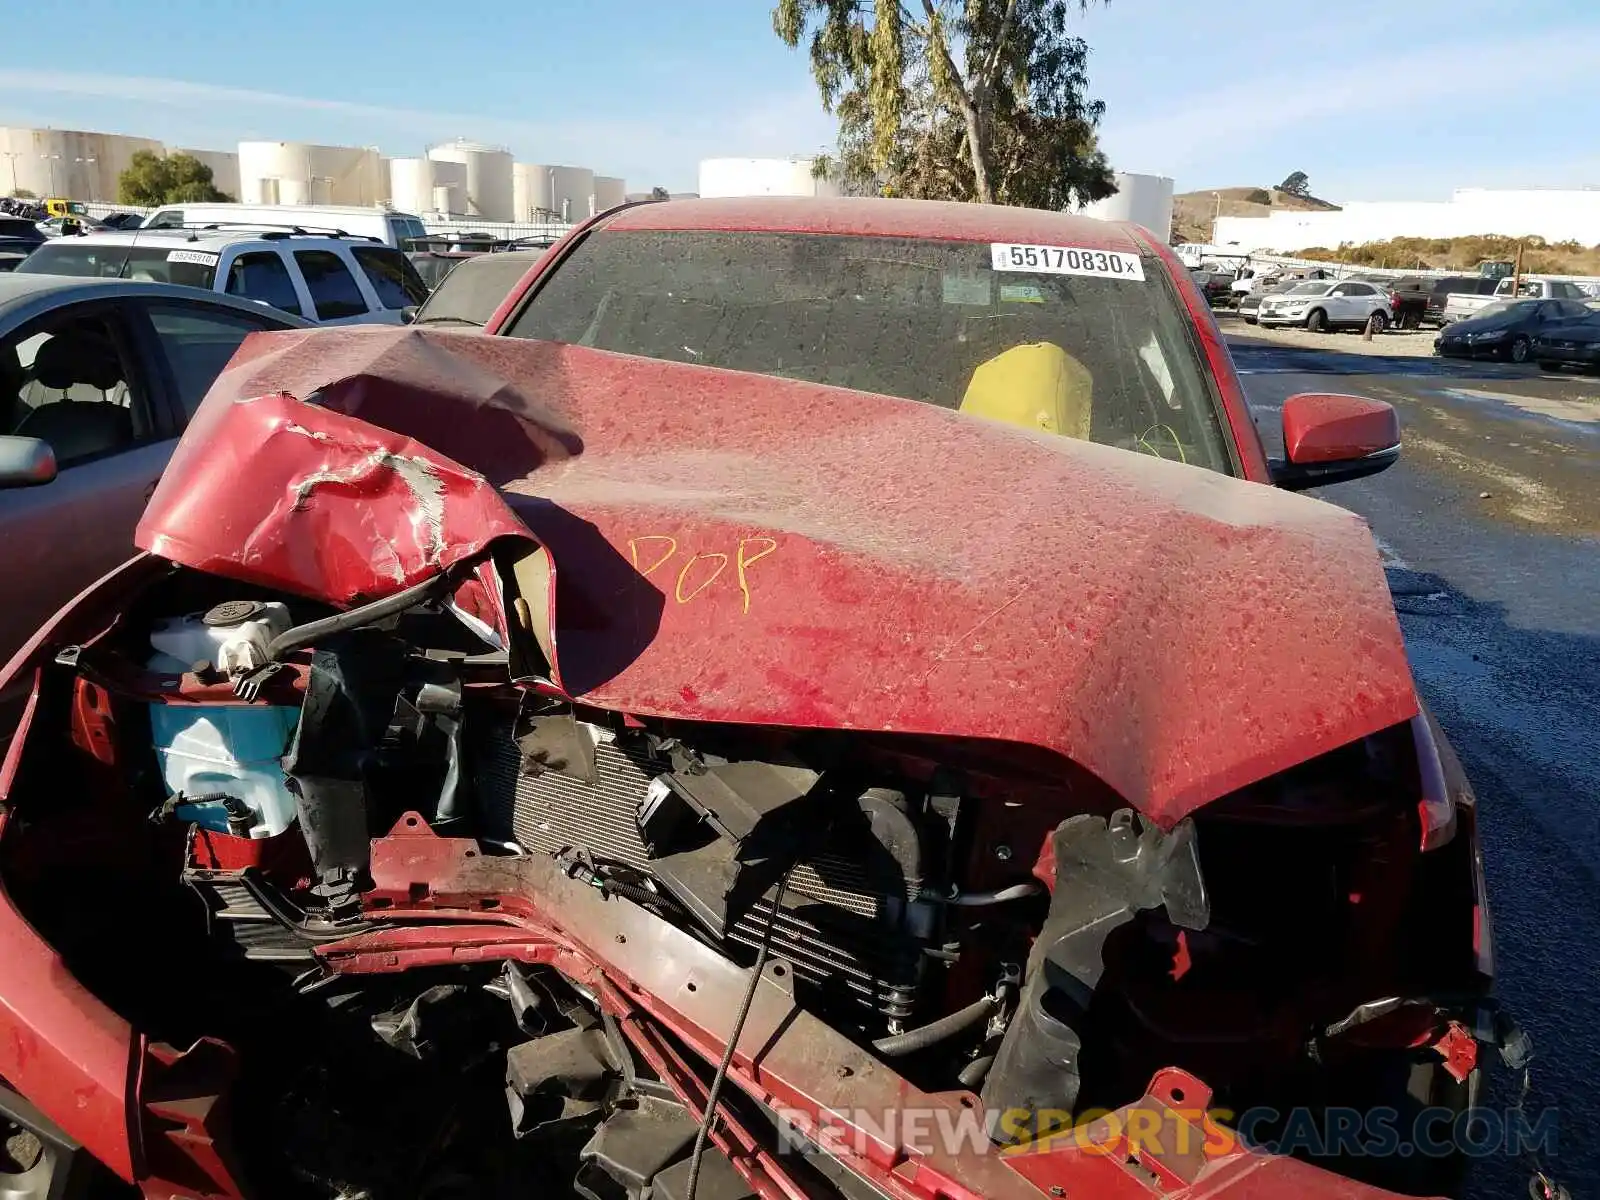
column 1374, row 99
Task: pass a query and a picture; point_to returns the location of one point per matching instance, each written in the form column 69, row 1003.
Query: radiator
column 832, row 926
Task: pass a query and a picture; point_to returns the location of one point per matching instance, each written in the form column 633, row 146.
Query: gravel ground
column 1417, row 343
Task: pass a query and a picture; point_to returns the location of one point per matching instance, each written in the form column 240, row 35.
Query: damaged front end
column 314, row 824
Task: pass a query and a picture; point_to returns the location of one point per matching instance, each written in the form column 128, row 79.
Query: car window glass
column 69, row 382
column 262, row 275
column 198, row 343
column 391, row 275
column 333, row 289
column 1106, row 358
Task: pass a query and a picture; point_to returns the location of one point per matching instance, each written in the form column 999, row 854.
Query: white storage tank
column 609, row 192
column 224, row 166
column 489, row 187
column 545, row 190
column 75, row 163
column 411, row 184
column 1143, row 199
column 301, row 173
column 763, row 177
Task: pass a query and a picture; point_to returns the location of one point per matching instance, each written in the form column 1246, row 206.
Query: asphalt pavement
column 1490, row 529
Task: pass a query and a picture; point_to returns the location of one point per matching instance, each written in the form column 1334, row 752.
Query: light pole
column 89, row 161
column 13, row 156
column 1218, row 217
column 52, row 159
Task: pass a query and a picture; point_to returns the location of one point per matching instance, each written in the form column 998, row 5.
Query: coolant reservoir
column 217, row 756
column 233, row 637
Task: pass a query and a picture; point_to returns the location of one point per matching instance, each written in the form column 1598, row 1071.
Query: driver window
column 1341, row 290
column 67, row 383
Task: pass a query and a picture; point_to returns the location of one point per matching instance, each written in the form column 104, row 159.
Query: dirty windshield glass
column 153, row 264
column 1104, row 358
column 470, row 293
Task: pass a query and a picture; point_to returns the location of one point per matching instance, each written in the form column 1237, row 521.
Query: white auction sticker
column 198, row 257
column 1066, row 260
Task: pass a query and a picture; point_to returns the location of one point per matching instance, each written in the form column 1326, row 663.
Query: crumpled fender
column 298, row 492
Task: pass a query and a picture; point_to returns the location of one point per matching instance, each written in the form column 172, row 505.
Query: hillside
column 1464, row 254
column 1193, row 212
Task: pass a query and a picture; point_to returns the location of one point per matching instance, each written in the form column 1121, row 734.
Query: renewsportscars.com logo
column 1158, row 1130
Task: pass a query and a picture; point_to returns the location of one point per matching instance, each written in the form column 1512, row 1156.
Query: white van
column 390, row 228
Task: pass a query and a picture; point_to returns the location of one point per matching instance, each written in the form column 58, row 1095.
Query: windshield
column 152, row 264
column 470, row 292
column 1102, row 355
column 1315, row 288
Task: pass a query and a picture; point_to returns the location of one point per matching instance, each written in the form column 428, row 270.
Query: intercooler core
column 847, row 914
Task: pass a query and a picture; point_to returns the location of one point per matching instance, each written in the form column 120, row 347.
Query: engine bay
column 321, row 838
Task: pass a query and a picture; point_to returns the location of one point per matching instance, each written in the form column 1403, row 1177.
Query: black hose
column 975, row 1072
column 301, row 636
column 714, row 1095
column 945, row 1028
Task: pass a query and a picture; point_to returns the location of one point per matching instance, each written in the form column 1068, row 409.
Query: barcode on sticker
column 199, row 257
column 1066, row 260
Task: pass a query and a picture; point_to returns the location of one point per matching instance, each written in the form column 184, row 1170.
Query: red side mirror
column 1331, row 438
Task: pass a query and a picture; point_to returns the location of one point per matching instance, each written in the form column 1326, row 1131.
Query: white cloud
column 662, row 146
column 1214, row 127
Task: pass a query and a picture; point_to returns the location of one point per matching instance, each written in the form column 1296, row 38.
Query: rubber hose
column 1017, row 891
column 975, row 1072
column 932, row 1034
column 301, row 636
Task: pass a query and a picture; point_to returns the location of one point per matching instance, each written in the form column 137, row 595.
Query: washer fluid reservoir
column 221, row 761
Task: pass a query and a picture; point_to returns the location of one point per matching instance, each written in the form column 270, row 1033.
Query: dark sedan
column 1570, row 344
column 1507, row 329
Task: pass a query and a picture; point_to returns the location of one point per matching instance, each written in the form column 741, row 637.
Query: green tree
column 152, row 180
column 1298, row 184
column 23, row 194
column 955, row 99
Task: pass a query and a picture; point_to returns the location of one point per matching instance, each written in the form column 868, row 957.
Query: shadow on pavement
column 1521, row 708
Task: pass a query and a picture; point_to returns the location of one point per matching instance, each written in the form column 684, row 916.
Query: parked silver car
column 98, row 378
column 1328, row 304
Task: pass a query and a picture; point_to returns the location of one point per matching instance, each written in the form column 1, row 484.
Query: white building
column 1555, row 215
column 74, row 163
column 1143, row 199
column 763, row 177
column 301, row 173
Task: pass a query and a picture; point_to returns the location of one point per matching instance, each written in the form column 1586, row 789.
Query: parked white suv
column 330, row 280
column 391, row 228
column 1327, row 304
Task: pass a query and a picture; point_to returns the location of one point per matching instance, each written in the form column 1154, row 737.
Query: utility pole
column 1516, row 274
column 89, row 162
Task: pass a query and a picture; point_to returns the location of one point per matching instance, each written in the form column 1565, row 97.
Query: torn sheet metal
column 292, row 489
column 740, row 548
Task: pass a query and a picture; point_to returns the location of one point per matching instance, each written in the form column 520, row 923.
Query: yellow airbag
column 1037, row 385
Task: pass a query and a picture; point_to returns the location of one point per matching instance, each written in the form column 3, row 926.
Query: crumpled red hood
column 736, row 548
